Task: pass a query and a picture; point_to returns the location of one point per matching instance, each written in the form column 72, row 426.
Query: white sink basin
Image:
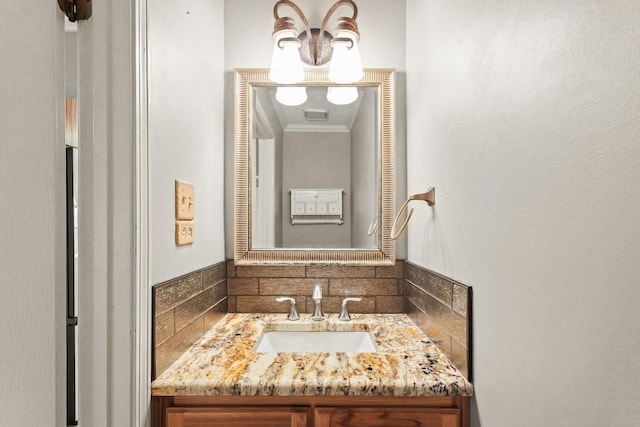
column 316, row 342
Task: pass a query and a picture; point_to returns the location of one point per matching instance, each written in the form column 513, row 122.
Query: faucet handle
column 344, row 313
column 317, row 292
column 293, row 311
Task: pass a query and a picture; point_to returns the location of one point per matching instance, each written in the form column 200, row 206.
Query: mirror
column 315, row 182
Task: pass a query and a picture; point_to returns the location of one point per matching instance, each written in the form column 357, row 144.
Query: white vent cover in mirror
column 310, row 114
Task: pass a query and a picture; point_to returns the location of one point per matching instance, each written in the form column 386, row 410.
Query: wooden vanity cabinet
column 396, row 417
column 237, row 417
column 308, row 411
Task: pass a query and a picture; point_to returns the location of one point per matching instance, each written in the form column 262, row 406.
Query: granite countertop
column 223, row 362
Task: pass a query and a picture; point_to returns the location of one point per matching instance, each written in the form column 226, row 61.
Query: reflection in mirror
column 314, row 177
column 322, row 194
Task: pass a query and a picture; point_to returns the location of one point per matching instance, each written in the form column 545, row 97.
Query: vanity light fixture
column 291, row 95
column 315, row 46
column 342, row 95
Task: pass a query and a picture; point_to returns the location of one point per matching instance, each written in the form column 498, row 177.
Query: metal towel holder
column 428, row 196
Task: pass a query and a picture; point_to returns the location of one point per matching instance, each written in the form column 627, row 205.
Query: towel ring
column 428, row 196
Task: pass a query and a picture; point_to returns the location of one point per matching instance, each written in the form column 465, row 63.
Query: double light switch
column 185, row 209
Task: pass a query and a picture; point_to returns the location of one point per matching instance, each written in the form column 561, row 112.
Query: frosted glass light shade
column 291, row 95
column 346, row 66
column 286, row 65
column 340, row 95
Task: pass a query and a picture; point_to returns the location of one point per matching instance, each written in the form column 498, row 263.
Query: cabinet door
column 379, row 417
column 237, row 417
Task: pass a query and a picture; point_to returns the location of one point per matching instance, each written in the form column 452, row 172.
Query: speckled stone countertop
column 223, row 362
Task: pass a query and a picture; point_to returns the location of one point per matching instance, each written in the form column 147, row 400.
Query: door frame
column 141, row 412
column 114, row 325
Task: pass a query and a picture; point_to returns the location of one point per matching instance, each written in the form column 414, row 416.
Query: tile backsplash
column 254, row 288
column 184, row 309
column 441, row 307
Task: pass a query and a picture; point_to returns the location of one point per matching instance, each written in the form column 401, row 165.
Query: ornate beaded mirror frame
column 245, row 83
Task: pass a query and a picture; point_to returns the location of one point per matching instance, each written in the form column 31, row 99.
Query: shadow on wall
column 475, row 414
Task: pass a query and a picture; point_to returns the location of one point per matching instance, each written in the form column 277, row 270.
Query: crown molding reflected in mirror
column 247, row 80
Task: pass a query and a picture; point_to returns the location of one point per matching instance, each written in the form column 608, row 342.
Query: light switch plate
column 185, row 202
column 185, row 232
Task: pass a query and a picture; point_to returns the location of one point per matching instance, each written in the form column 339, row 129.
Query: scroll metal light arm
column 316, row 37
column 348, row 23
column 429, row 196
column 286, row 23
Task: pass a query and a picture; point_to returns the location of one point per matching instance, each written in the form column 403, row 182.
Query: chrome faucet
column 344, row 313
column 293, row 312
column 317, row 298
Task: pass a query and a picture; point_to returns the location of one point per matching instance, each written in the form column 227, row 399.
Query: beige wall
column 525, row 116
column 186, row 43
column 305, row 156
column 32, row 254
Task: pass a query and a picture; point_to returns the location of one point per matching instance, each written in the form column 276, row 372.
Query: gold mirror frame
column 384, row 80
